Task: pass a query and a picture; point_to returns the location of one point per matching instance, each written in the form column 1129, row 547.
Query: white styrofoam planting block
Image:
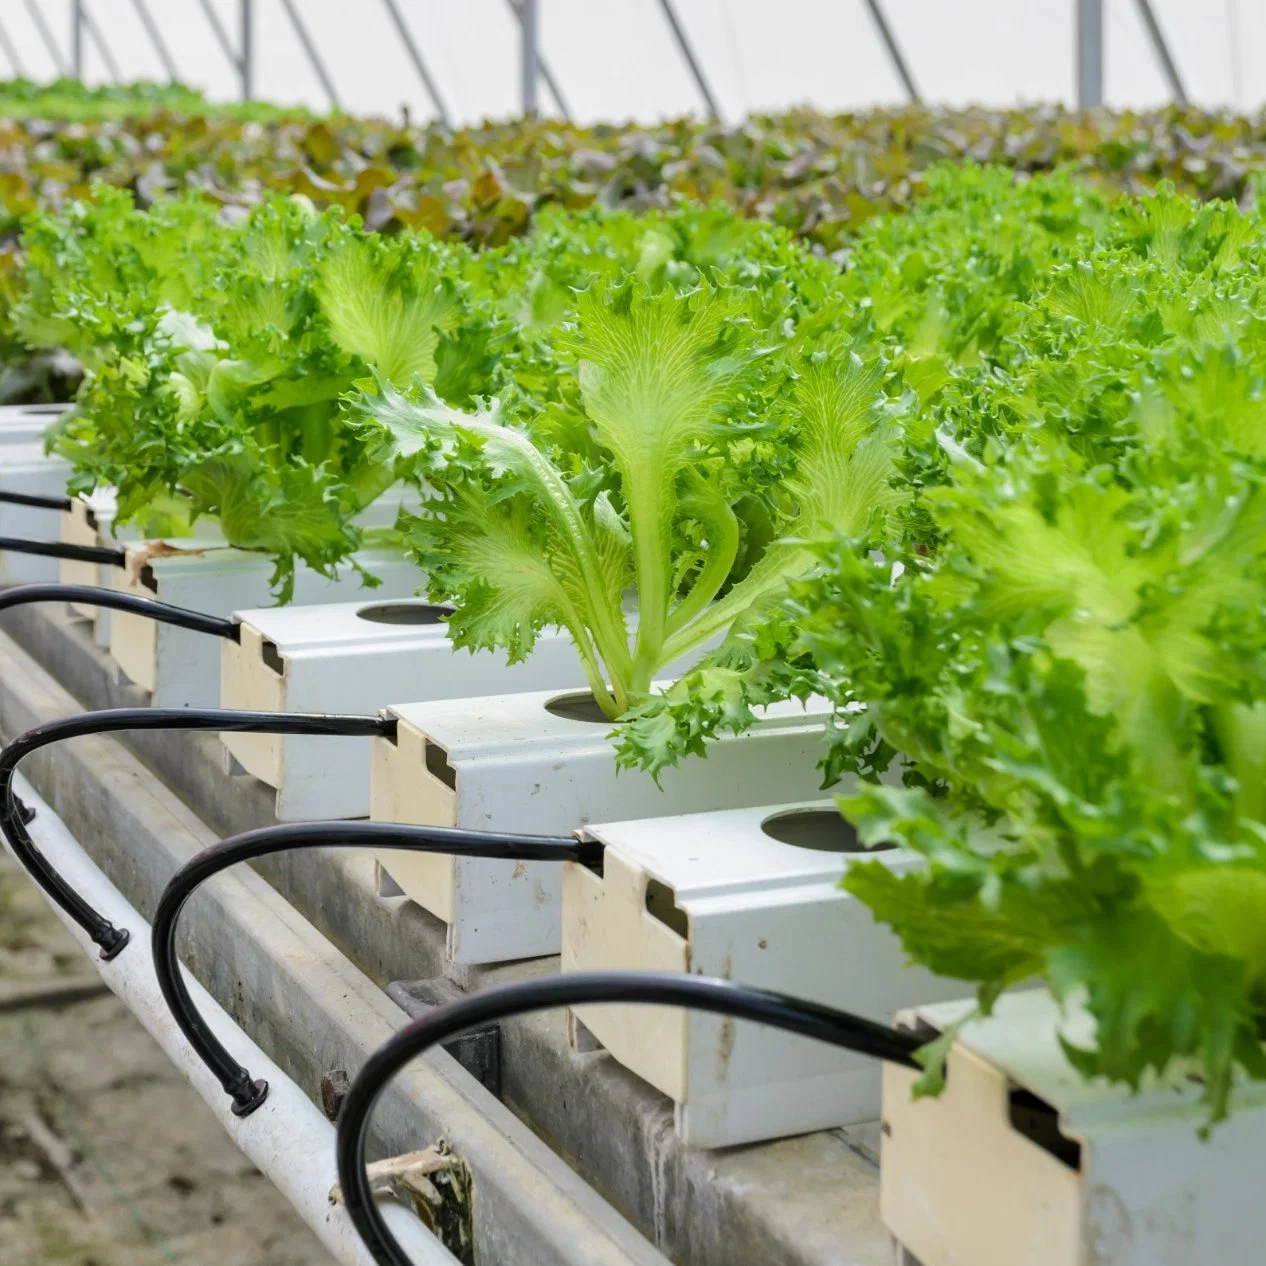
column 25, row 423
column 182, row 668
column 90, row 521
column 1020, row 1160
column 509, row 763
column 25, row 467
column 718, row 894
column 49, row 410
column 356, row 657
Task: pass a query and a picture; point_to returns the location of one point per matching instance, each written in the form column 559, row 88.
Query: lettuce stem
column 722, row 544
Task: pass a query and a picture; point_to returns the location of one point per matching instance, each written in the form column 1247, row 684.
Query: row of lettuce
column 71, row 100
column 995, row 489
column 820, row 176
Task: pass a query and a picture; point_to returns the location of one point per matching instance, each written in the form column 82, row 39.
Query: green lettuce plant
column 681, row 464
column 1060, row 677
column 1090, row 311
column 1074, row 692
column 217, row 352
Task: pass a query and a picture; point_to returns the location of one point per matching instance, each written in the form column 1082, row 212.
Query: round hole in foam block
column 822, row 830
column 404, row 613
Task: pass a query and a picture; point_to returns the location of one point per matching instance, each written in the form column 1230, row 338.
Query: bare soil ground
column 107, row 1157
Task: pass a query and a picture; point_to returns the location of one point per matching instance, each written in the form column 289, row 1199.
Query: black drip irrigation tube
column 30, row 499
column 92, row 595
column 14, row 817
column 246, row 1092
column 60, row 549
column 14, row 814
column 721, row 997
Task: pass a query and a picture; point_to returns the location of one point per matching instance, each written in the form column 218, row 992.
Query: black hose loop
column 112, row 940
column 247, row 1093
column 110, row 599
column 61, row 549
column 808, row 1019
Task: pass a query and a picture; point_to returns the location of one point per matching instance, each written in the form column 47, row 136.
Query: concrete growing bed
column 317, row 1004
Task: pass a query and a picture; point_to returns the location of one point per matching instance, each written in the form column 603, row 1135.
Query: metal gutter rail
column 289, row 1140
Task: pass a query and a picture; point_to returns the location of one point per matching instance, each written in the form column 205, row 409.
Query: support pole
column 895, row 55
column 156, row 38
column 103, row 49
column 692, row 62
column 77, row 38
column 544, row 67
column 59, row 63
column 1159, row 46
column 11, row 53
column 246, row 58
column 415, row 56
column 314, row 58
column 1089, row 53
column 221, row 35
column 529, row 41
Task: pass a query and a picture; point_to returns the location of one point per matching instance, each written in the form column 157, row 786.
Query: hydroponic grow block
column 25, row 467
column 1020, row 1160
column 544, row 763
column 90, row 521
column 356, row 657
column 25, row 423
column 181, row 667
column 751, row 895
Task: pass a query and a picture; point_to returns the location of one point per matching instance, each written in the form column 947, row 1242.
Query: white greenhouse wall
column 616, row 59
